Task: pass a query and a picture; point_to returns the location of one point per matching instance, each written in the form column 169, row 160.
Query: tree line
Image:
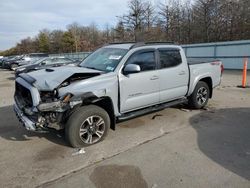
column 183, row 22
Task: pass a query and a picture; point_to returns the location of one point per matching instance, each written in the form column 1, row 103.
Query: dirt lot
column 175, row 147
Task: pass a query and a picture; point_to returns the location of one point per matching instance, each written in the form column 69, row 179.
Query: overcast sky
column 22, row 18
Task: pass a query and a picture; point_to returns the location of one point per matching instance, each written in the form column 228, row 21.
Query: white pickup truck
column 114, row 83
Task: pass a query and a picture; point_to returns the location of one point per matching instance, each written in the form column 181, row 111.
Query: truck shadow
column 224, row 137
column 11, row 78
column 11, row 129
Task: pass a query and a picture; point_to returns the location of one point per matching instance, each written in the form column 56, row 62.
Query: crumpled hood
column 50, row 78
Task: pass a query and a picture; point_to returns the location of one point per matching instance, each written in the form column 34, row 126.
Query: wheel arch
column 104, row 102
column 209, row 82
column 207, row 79
column 107, row 104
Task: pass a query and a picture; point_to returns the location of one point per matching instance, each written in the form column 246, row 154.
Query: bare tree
column 74, row 28
column 135, row 18
column 149, row 14
column 106, row 34
column 189, row 21
column 203, row 10
column 120, row 31
column 164, row 19
column 55, row 41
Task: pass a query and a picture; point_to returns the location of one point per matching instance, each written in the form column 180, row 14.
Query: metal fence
column 230, row 53
column 77, row 55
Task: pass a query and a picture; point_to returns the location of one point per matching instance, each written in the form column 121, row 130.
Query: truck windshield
column 104, row 59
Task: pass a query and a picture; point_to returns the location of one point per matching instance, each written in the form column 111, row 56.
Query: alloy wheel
column 92, row 129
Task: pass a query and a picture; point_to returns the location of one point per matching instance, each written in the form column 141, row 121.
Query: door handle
column 182, row 73
column 154, row 78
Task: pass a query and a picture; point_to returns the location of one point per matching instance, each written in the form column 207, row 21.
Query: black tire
column 13, row 66
column 199, row 98
column 80, row 119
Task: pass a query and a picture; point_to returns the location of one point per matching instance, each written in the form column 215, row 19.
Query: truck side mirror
column 131, row 68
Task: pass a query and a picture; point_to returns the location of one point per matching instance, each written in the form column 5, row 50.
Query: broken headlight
column 49, row 96
column 58, row 105
column 64, row 84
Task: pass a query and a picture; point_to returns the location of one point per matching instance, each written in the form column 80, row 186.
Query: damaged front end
column 46, row 114
column 41, row 110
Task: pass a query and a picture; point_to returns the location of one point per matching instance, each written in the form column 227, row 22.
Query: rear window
column 169, row 58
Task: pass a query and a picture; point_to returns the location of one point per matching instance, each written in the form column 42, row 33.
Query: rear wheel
column 87, row 126
column 200, row 96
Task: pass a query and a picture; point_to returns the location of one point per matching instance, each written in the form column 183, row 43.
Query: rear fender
column 207, row 79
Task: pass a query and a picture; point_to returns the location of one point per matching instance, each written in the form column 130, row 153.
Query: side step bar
column 148, row 110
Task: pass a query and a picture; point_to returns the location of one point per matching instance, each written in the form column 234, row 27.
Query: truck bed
column 194, row 61
column 203, row 67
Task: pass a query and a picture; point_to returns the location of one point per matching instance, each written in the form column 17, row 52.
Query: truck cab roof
column 132, row 45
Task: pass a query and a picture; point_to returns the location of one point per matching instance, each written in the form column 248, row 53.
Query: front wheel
column 86, row 126
column 199, row 98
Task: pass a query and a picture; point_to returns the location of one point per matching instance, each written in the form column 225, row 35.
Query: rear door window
column 169, row 58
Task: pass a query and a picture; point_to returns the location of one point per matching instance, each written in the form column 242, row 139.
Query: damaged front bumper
column 27, row 123
column 38, row 121
column 44, row 116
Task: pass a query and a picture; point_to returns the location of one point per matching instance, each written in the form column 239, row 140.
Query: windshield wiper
column 91, row 68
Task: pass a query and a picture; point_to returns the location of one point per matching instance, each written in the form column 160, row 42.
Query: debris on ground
column 209, row 109
column 206, row 109
column 185, row 110
column 156, row 115
column 79, row 152
column 162, row 130
column 154, row 185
